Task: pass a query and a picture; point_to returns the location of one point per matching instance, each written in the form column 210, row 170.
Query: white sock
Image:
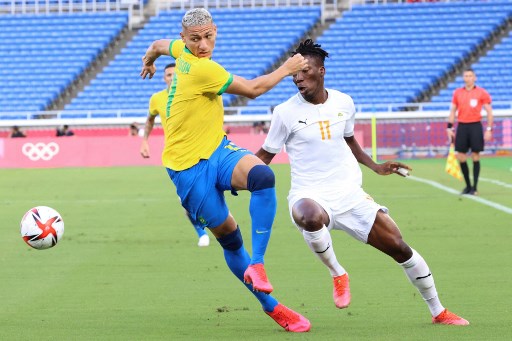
column 320, row 242
column 420, row 276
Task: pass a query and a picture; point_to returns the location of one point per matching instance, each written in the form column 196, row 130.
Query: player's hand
column 393, row 167
column 144, row 149
column 147, row 69
column 295, row 64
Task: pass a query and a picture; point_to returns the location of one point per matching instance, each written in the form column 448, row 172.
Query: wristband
column 450, row 125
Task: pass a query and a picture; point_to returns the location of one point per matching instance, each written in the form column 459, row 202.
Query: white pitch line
column 497, row 182
column 471, row 197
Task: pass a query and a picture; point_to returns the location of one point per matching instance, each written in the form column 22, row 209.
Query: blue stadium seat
column 393, row 52
column 250, row 41
column 494, row 72
column 50, row 52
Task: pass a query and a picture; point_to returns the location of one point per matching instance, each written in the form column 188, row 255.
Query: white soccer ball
column 42, row 227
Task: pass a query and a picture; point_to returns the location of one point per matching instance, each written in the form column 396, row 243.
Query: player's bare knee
column 260, row 177
column 311, row 220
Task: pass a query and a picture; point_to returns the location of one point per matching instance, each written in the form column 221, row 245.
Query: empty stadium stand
column 494, row 73
column 250, row 41
column 395, row 53
column 41, row 55
column 380, row 54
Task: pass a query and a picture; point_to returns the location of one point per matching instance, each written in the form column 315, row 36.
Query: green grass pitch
column 128, row 267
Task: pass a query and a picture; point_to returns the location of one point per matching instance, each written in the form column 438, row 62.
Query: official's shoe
column 204, row 240
column 447, row 317
column 466, row 190
column 256, row 275
column 473, row 191
column 341, row 291
column 289, row 319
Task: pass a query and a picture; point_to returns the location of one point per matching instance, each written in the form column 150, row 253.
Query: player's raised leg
column 312, row 219
column 386, row 237
column 250, row 173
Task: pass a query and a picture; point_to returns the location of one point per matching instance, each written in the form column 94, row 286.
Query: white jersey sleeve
column 277, row 134
column 349, row 127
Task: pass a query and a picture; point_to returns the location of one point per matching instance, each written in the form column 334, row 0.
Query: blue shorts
column 201, row 187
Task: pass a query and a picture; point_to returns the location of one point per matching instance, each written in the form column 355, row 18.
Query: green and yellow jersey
column 195, row 113
column 158, row 105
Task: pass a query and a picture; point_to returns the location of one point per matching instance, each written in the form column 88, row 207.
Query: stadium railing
column 388, row 134
column 235, row 114
column 110, row 117
column 70, row 6
column 376, row 2
column 327, row 6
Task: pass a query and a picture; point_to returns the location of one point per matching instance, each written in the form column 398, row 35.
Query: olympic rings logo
column 40, row 151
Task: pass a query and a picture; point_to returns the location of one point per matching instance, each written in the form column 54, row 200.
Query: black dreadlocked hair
column 308, row 47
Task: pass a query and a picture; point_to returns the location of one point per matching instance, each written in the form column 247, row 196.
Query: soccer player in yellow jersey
column 203, row 163
column 157, row 107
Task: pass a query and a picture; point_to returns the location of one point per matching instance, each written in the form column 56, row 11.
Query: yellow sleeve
column 214, row 78
column 176, row 48
column 153, row 105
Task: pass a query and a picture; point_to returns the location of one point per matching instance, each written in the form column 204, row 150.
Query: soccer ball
column 42, row 227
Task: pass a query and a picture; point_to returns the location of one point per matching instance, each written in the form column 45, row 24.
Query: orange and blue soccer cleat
column 256, row 275
column 341, row 291
column 447, row 317
column 289, row 319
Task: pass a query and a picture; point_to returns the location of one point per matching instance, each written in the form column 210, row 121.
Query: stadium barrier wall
column 94, row 151
column 384, row 135
column 108, row 151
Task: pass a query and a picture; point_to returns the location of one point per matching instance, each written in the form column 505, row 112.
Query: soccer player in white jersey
column 317, row 127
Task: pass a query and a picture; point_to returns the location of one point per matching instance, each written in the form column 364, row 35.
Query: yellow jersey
column 158, row 105
column 195, row 113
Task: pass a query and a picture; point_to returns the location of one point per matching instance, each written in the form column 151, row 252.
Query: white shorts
column 356, row 221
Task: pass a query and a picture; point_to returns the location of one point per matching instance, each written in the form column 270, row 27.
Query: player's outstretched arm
column 144, row 147
column 259, row 85
column 156, row 49
column 386, row 168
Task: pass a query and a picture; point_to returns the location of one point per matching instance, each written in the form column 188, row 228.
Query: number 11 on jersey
column 324, row 129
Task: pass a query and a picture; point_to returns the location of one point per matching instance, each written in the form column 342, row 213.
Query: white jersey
column 321, row 161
